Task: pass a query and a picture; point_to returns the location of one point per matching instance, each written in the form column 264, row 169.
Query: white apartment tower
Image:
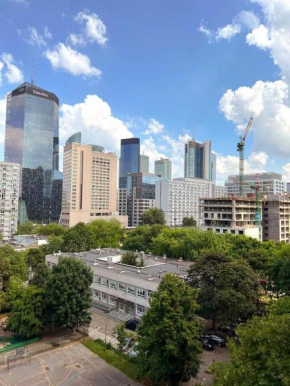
column 9, row 195
column 163, row 168
column 179, row 198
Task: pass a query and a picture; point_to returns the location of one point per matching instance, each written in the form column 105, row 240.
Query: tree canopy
column 169, row 350
column 228, row 289
column 153, row 216
column 188, row 222
column 68, row 292
column 262, row 355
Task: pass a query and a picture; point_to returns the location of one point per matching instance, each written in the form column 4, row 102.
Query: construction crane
column 241, row 150
column 258, row 213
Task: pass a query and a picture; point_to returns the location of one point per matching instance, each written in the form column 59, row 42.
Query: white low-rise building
column 122, row 288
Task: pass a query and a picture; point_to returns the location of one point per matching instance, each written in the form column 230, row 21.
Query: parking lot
column 71, row 366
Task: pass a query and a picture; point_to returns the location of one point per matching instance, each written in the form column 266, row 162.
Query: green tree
column 107, row 233
column 141, row 238
column 169, row 350
column 153, row 216
column 49, row 230
column 262, row 355
column 68, row 293
column 27, row 315
column 25, row 228
column 188, row 222
column 34, row 257
column 55, row 244
column 12, row 263
column 279, row 270
column 130, row 258
column 121, row 335
column 14, row 290
column 79, row 238
column 228, row 289
column 41, row 275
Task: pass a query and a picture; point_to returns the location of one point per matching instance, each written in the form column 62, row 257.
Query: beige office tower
column 89, row 185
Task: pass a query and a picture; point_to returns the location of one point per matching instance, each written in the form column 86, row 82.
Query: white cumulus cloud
column 65, row 58
column 95, row 120
column 12, row 73
column 33, row 37
column 154, row 127
column 94, row 30
column 268, row 103
column 228, row 32
column 259, row 37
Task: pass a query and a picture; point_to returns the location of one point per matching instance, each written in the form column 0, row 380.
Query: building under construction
column 235, row 215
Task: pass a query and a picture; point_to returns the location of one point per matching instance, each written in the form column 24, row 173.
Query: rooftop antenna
column 193, row 132
column 32, row 72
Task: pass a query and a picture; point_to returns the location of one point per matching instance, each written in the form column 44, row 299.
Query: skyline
column 194, row 66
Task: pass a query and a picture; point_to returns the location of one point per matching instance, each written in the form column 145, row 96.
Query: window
column 105, row 282
column 113, row 284
column 112, row 300
column 97, row 279
column 122, row 287
column 121, row 307
column 104, row 298
column 131, row 290
column 140, row 310
column 96, row 294
column 149, row 293
column 140, row 293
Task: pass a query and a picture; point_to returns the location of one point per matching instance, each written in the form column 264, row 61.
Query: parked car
column 129, row 341
column 206, row 345
column 134, row 351
column 4, row 325
column 132, row 324
column 227, row 329
column 214, row 339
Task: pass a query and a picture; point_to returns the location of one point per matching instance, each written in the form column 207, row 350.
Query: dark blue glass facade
column 32, row 140
column 129, row 159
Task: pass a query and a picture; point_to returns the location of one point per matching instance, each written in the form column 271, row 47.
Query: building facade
column 32, row 140
column 122, row 289
column 129, row 159
column 9, row 194
column 179, row 198
column 230, row 215
column 163, row 168
column 276, row 218
column 199, row 161
column 271, row 183
column 89, row 185
column 220, row 191
column 144, row 163
column 137, row 196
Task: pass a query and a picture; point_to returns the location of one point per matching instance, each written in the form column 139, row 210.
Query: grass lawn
column 113, row 358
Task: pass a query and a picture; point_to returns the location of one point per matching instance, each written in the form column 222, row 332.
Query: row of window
column 130, row 289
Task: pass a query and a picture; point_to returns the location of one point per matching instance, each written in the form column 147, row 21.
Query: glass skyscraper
column 32, row 140
column 200, row 161
column 129, row 159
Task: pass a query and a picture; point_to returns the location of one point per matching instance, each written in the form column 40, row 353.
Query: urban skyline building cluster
column 92, row 185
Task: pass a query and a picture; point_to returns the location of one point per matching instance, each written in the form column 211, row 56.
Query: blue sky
column 156, row 69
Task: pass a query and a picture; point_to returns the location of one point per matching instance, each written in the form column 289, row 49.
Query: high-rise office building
column 144, row 163
column 200, row 161
column 129, row 159
column 163, row 168
column 137, row 196
column 32, row 140
column 9, row 193
column 89, row 185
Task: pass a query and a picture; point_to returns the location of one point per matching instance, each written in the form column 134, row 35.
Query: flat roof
column 155, row 267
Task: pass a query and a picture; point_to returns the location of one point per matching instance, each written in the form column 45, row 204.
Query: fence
column 95, row 334
column 38, row 346
column 15, row 344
